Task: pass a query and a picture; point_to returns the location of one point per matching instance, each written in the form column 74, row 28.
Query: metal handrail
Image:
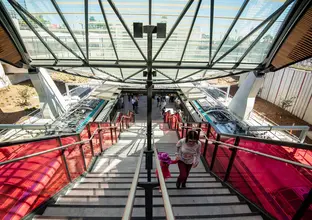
column 252, row 151
column 127, row 215
column 268, row 141
column 221, row 144
column 50, row 150
column 54, row 149
column 162, row 183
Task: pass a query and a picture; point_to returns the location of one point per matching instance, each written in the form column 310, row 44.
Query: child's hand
column 178, row 157
column 194, row 165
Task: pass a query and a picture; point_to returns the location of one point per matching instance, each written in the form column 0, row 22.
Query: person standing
column 188, row 155
column 133, row 101
column 163, row 104
column 158, row 101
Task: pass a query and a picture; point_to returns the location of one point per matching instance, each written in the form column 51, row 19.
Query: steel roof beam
column 37, row 34
column 18, row 7
column 189, row 35
column 8, row 25
column 211, row 28
column 57, row 8
column 242, row 8
column 111, row 75
column 187, row 6
column 110, row 34
column 297, row 11
column 134, row 74
column 126, row 27
column 269, row 25
column 156, row 82
column 87, row 27
column 165, row 75
column 285, row 5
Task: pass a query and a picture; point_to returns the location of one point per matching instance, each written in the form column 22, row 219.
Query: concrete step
column 124, row 192
column 117, row 185
column 142, row 178
column 101, row 200
column 185, row 210
column 173, row 174
column 230, row 217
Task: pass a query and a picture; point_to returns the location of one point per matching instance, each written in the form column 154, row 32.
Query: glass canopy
column 204, row 38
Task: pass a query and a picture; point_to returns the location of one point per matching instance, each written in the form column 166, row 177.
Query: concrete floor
column 142, row 109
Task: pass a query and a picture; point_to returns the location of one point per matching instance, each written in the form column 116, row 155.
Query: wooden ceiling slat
column 298, row 45
column 8, row 51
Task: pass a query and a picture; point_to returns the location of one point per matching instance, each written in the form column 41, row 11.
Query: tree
column 268, row 38
column 42, row 20
column 286, row 103
column 164, row 19
column 25, row 96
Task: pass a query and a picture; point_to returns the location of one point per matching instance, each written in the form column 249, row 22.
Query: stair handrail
column 167, row 204
column 127, row 215
column 61, row 147
column 235, row 148
column 303, row 146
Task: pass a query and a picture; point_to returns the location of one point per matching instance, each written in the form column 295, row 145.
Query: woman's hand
column 178, row 157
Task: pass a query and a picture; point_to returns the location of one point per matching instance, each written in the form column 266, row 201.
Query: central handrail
column 162, row 183
column 130, row 201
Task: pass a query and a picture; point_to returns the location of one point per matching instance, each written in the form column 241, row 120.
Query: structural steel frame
column 158, row 65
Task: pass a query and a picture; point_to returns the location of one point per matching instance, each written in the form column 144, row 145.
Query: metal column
column 149, row 85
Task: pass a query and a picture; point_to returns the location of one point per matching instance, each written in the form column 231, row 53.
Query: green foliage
column 24, row 96
column 286, row 103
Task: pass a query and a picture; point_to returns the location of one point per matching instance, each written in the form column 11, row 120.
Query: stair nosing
column 143, row 196
column 139, row 189
column 143, row 205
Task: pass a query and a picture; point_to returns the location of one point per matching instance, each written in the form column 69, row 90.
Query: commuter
column 133, row 101
column 158, row 101
column 167, row 98
column 136, row 105
column 188, row 155
column 163, row 104
column 129, row 98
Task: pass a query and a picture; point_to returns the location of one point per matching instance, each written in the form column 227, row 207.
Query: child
column 165, row 162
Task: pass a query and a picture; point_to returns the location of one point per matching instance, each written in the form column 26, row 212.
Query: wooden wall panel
column 8, row 51
column 298, row 44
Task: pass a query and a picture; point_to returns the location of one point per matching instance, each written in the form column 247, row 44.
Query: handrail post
column 199, row 126
column 215, row 152
column 206, row 142
column 82, row 153
column 111, row 132
column 115, row 130
column 90, row 140
column 100, row 137
column 64, row 160
column 187, row 129
column 304, row 206
column 232, row 158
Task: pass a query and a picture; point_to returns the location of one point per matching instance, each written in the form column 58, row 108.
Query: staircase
column 102, row 193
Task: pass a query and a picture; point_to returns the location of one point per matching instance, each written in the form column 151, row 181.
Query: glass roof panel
column 47, row 15
column 236, row 54
column 262, row 47
column 175, row 45
column 255, row 12
column 74, row 15
column 101, row 46
column 198, row 45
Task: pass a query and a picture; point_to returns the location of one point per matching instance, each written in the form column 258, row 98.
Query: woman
column 188, row 155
